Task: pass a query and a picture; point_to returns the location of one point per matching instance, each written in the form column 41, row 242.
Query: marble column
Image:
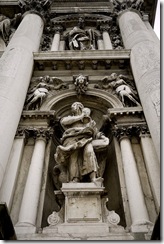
column 16, row 66
column 10, row 177
column 145, row 64
column 138, row 210
column 152, row 166
column 106, row 38
column 30, row 200
column 150, row 29
column 100, row 44
column 56, row 40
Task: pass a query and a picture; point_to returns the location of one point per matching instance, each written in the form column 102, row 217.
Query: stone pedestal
column 85, row 211
column 82, row 202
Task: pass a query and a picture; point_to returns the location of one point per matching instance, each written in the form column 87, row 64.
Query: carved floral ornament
column 129, row 131
column 36, row 133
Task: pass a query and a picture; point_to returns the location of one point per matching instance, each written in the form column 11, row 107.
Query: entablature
column 55, row 59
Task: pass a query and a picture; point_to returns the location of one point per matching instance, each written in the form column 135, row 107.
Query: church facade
column 80, row 119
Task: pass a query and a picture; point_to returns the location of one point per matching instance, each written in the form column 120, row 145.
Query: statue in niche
column 81, row 83
column 80, row 39
column 121, row 88
column 76, row 157
column 38, row 93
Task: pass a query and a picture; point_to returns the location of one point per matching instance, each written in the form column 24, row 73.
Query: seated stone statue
column 80, row 39
column 79, row 142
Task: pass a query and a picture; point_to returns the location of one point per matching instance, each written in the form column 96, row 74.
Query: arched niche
column 98, row 101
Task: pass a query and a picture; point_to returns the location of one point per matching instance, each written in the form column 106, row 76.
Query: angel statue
column 38, row 93
column 121, row 87
column 76, row 156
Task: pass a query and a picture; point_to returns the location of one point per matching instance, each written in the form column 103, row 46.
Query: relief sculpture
column 37, row 94
column 76, row 156
column 121, row 87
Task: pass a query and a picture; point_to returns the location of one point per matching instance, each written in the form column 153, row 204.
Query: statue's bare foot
column 75, row 180
column 98, row 181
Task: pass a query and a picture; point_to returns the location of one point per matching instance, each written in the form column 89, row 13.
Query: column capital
column 43, row 134
column 22, row 133
column 105, row 27
column 126, row 131
column 58, row 29
column 40, row 7
column 119, row 7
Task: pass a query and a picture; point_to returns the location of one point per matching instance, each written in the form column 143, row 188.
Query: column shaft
column 10, row 177
column 152, row 166
column 16, row 65
column 28, row 210
column 100, row 44
column 137, row 206
column 107, row 41
column 55, row 42
column 145, row 63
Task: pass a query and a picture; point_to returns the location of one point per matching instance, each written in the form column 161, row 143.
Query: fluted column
column 145, row 63
column 29, row 205
column 138, row 210
column 56, row 40
column 106, row 38
column 152, row 166
column 16, row 66
column 10, row 177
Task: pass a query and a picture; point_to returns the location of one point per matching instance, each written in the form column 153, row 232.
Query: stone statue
column 80, row 39
column 121, row 87
column 76, row 156
column 38, row 93
column 8, row 25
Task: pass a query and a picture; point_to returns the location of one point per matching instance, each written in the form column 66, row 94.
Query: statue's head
column 77, row 108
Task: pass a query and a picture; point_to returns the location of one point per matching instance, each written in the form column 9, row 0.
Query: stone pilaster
column 145, row 63
column 152, row 166
column 29, row 205
column 16, row 67
column 10, row 177
column 139, row 214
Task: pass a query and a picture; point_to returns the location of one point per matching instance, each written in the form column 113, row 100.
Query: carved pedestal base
column 85, row 211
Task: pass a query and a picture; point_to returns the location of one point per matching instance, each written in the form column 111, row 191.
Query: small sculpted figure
column 79, row 142
column 121, row 87
column 38, row 93
column 80, row 39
